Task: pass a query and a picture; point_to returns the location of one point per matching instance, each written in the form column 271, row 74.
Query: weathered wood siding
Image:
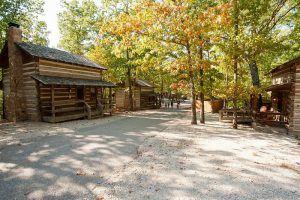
column 61, row 93
column 137, row 98
column 31, row 92
column 6, row 89
column 122, row 98
column 295, row 98
column 285, row 75
column 6, row 82
column 90, row 96
column 51, row 68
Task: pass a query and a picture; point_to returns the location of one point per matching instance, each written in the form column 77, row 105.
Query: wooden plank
column 72, row 69
column 70, row 74
column 69, row 109
column 68, row 66
column 67, row 102
column 52, row 102
column 63, row 118
column 29, row 63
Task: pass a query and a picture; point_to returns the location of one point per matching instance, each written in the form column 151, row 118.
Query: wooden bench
column 271, row 118
column 243, row 116
column 67, row 110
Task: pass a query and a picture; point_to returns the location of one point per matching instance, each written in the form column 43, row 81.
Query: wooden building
column 285, row 96
column 144, row 96
column 51, row 85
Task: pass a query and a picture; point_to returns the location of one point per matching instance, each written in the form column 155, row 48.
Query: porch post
column 110, row 101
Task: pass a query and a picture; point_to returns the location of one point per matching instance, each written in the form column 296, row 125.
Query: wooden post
column 235, row 63
column 110, row 101
column 52, row 103
column 96, row 94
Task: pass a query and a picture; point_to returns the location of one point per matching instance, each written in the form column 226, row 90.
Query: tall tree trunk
column 192, row 85
column 254, row 73
column 131, row 108
column 226, row 80
column 161, row 91
column 202, row 117
column 235, row 65
column 256, row 83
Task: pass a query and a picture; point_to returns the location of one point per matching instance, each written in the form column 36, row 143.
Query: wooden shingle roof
column 285, row 65
column 57, row 55
column 52, row 80
column 143, row 83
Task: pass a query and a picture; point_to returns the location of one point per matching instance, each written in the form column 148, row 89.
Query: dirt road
column 149, row 155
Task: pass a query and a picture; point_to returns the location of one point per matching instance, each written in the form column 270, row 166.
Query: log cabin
column 285, row 94
column 46, row 84
column 144, row 96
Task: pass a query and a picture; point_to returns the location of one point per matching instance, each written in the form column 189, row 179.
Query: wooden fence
column 271, row 118
column 243, row 116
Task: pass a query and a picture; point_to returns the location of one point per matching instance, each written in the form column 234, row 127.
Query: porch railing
column 271, row 117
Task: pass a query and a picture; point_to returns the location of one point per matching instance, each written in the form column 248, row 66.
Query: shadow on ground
column 71, row 164
column 152, row 155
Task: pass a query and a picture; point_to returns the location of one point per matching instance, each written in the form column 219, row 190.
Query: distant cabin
column 144, row 96
column 46, row 84
column 285, row 96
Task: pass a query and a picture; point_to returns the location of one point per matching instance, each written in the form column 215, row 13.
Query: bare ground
column 150, row 155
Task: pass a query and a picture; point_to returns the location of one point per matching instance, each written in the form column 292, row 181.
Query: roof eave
column 284, row 65
column 34, row 55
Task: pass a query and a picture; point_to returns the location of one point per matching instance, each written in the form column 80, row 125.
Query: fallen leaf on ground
column 80, row 172
column 27, row 193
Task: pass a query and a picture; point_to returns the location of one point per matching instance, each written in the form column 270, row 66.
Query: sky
column 51, row 9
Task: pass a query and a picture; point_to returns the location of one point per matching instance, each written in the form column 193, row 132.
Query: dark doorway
column 80, row 92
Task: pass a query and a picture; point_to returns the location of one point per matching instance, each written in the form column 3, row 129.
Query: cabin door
column 80, row 92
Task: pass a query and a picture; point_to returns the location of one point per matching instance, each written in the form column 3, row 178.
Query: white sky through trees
column 51, row 9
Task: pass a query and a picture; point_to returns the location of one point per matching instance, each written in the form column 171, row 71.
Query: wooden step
column 64, row 118
column 69, row 109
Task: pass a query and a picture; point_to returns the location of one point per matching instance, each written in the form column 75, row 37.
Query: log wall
column 31, row 92
column 51, row 68
column 6, row 89
column 285, row 75
column 295, row 98
column 90, row 96
column 122, row 98
column 61, row 93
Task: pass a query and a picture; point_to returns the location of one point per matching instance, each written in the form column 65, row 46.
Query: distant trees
column 24, row 12
column 78, row 25
column 36, row 33
column 211, row 48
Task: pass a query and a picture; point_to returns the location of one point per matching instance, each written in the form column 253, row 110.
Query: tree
column 24, row 12
column 261, row 28
column 37, row 33
column 119, row 36
column 254, row 41
column 78, row 25
column 177, row 23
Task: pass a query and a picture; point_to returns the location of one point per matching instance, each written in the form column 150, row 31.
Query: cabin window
column 80, row 93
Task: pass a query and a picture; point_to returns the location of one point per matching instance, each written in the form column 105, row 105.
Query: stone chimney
column 15, row 106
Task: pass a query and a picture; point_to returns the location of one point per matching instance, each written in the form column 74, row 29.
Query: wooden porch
column 62, row 99
column 66, row 105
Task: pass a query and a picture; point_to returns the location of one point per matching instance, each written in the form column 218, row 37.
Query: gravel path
column 147, row 155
